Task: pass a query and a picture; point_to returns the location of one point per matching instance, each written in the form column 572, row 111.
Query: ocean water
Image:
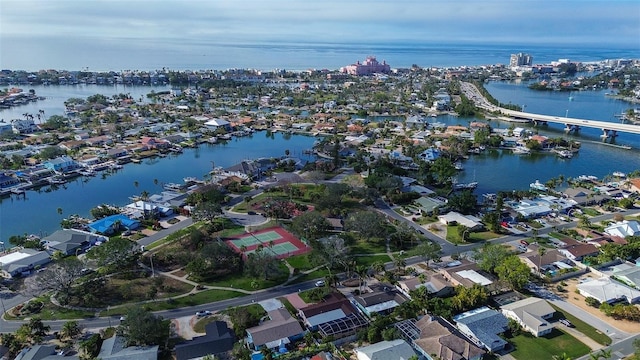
column 37, row 53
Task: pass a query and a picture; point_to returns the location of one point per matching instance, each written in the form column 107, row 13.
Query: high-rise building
column 520, row 59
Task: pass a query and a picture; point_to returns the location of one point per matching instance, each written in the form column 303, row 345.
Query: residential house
column 117, row 152
column 153, row 143
column 69, row 241
column 609, row 291
column 99, row 140
column 333, row 307
column 551, row 260
column 61, row 164
column 431, row 154
column 22, row 261
column 465, row 273
column 452, row 218
column 382, row 300
column 7, row 181
column 279, row 330
column 24, row 126
column 415, row 122
column 435, row 338
column 386, row 350
column 629, row 276
column 532, row 314
column 435, row 284
column 584, row 197
column 483, row 326
column 215, row 124
column 5, row 128
column 42, row 352
column 218, row 341
column 247, row 168
column 115, row 348
column 108, row 225
column 578, row 252
column 623, row 228
column 336, row 224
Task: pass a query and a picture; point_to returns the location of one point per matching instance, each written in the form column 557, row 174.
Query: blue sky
column 328, row 21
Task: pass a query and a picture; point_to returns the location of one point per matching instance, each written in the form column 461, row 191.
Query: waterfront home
column 24, row 126
column 8, row 180
column 279, row 330
column 584, row 197
column 215, row 124
column 609, row 291
column 115, row 348
column 69, row 241
column 153, row 143
column 386, row 350
column 117, row 152
column 61, row 164
column 623, row 228
column 483, row 326
column 532, row 314
column 108, row 225
column 218, row 341
column 22, row 261
column 435, row 338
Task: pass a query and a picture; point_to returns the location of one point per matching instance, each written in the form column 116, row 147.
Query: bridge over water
column 609, row 129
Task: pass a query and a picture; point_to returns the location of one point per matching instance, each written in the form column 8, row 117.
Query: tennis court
column 276, row 240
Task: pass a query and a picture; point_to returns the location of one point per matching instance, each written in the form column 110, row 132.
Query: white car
column 320, row 283
column 203, row 313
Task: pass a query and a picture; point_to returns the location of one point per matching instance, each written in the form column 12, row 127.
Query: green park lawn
column 244, row 282
column 368, row 247
column 370, row 260
column 557, row 342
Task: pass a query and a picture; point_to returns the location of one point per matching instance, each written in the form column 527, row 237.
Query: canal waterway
column 37, row 211
column 494, row 170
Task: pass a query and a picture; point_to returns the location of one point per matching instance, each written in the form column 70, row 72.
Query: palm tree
column 70, row 330
column 541, row 252
column 378, row 267
column 399, row 263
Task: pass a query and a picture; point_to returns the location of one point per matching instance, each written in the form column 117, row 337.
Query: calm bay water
column 37, row 212
column 500, row 170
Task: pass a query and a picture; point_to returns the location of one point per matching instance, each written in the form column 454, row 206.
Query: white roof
column 217, row 122
column 606, row 290
column 475, row 277
column 386, row 350
column 13, row 257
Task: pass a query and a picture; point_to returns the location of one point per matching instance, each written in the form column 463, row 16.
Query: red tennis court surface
column 276, row 240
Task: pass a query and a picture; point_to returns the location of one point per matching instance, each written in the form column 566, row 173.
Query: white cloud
column 325, row 21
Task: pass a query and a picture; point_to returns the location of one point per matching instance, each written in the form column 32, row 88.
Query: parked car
column 203, row 313
column 320, row 283
column 252, row 213
column 566, row 323
column 524, row 243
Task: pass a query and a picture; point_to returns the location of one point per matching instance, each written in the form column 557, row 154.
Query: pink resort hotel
column 370, row 66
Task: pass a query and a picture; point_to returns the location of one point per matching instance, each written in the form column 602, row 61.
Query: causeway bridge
column 609, row 129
